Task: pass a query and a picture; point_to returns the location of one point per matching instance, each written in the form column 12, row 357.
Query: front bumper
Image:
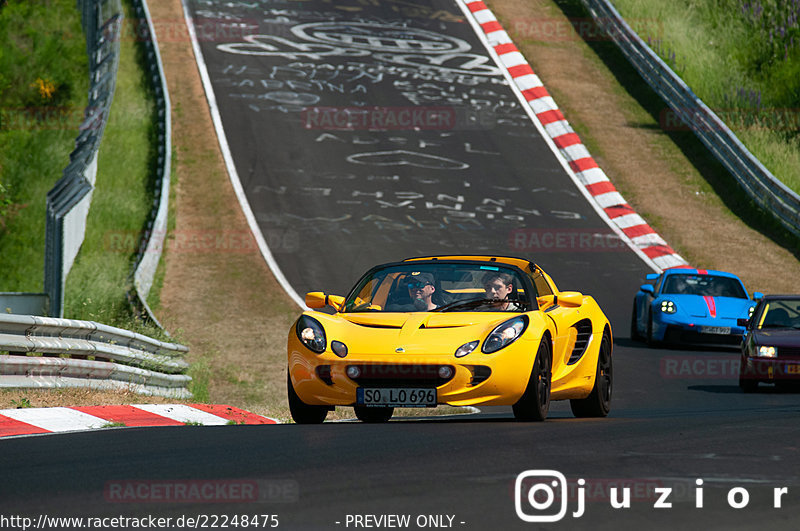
column 670, row 329
column 487, row 379
column 770, row 369
column 685, row 334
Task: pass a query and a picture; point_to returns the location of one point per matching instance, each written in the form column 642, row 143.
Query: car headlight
column 750, row 312
column 505, row 334
column 668, row 307
column 767, row 352
column 311, row 334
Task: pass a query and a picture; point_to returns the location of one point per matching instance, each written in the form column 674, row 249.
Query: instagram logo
column 537, row 495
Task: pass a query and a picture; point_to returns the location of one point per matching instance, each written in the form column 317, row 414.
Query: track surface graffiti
column 377, row 129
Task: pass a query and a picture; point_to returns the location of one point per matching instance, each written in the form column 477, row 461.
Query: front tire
column 598, row 403
column 373, row 415
column 747, row 385
column 649, row 337
column 303, row 413
column 535, row 401
column 635, row 335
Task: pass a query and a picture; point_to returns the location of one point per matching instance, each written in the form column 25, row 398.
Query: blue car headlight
column 668, row 307
column 311, row 334
column 750, row 312
column 505, row 334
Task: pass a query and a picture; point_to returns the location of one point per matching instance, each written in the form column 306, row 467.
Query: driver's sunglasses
column 417, row 285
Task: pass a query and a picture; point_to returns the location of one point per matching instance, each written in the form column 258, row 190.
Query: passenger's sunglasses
column 417, row 285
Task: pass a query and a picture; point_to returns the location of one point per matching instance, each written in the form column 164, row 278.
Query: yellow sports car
column 457, row 330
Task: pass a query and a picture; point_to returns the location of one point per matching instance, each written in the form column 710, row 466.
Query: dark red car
column 771, row 346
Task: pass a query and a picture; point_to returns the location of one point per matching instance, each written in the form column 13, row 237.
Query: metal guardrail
column 152, row 243
column 758, row 182
column 121, row 358
column 69, row 200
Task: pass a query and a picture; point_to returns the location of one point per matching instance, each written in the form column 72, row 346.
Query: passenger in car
column 500, row 288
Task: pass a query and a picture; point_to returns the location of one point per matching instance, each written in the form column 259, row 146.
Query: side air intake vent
column 584, row 329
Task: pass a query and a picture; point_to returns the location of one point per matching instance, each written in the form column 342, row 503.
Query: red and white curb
column 565, row 142
column 29, row 421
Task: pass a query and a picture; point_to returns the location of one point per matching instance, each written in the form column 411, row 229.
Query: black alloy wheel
column 598, row 403
column 535, row 401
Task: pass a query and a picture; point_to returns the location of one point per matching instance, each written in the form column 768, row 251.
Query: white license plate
column 721, row 330
column 396, row 397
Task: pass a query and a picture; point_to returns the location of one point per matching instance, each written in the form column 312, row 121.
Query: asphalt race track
column 457, row 167
column 475, row 176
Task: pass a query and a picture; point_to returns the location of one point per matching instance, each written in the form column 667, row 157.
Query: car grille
column 401, row 376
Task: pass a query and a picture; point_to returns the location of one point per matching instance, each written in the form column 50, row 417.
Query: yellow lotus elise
column 457, row 330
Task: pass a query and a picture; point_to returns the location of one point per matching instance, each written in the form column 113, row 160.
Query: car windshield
column 781, row 314
column 444, row 287
column 706, row 285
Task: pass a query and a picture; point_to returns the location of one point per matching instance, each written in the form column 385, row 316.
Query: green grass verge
column 121, row 201
column 96, row 285
column 645, row 109
column 742, row 58
column 43, row 85
column 43, row 88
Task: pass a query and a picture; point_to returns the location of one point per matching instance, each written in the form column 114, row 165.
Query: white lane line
column 530, row 107
column 232, row 173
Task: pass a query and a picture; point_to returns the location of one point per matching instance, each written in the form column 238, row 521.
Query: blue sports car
column 691, row 306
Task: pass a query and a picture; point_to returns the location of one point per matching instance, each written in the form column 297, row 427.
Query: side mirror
column 757, row 296
column 647, row 288
column 742, row 322
column 318, row 299
column 570, row 298
column 315, row 299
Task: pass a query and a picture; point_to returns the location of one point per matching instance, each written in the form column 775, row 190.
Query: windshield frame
column 526, row 284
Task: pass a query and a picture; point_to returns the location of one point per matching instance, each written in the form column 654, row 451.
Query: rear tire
column 373, row 415
column 598, row 403
column 535, row 402
column 303, row 413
